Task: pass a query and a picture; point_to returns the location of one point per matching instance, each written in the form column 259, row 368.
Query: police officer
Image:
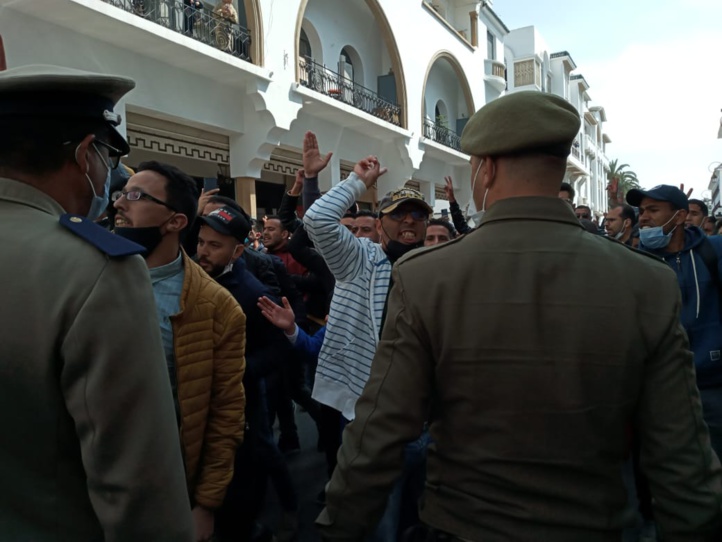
column 89, row 437
column 529, row 406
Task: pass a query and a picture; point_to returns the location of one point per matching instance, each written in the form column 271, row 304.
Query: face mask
column 621, row 233
column 655, row 238
column 475, row 215
column 148, row 237
column 395, row 249
column 99, row 204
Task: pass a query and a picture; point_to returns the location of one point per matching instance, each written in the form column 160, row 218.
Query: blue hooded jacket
column 700, row 304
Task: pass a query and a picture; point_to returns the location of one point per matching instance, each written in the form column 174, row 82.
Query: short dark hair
column 181, row 190
column 627, row 212
column 440, row 222
column 566, row 187
column 276, row 217
column 366, row 212
column 702, row 206
column 39, row 147
column 585, row 207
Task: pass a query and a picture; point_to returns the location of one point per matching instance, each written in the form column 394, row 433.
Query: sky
column 655, row 67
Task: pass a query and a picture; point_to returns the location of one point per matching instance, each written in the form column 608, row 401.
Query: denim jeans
column 402, row 506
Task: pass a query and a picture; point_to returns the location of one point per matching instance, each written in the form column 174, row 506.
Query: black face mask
column 395, row 249
column 149, row 237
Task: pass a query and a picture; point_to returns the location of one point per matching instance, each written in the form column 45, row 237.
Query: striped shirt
column 362, row 271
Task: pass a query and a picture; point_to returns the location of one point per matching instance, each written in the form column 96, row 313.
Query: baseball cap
column 401, row 195
column 228, row 221
column 663, row 192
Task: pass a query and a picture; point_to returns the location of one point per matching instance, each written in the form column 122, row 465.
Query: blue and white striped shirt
column 363, row 273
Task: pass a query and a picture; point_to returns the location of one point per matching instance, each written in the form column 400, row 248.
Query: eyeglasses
column 581, row 216
column 135, row 195
column 114, row 155
column 397, row 215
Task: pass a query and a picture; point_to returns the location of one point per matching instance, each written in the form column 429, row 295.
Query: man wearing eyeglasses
column 89, row 440
column 203, row 331
column 362, row 270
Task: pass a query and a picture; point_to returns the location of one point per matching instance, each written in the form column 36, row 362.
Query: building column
column 246, row 194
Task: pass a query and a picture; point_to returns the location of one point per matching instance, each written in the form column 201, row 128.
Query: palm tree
column 621, row 180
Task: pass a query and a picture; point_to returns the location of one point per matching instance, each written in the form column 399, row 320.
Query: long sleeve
column 672, row 433
column 287, row 212
column 118, row 394
column 344, row 254
column 458, row 219
column 311, row 192
column 390, row 413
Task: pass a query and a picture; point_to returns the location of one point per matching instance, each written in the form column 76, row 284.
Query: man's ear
column 238, row 251
column 82, row 153
column 178, row 223
column 488, row 172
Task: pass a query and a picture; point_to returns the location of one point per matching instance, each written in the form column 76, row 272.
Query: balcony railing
column 441, row 134
column 321, row 79
column 200, row 24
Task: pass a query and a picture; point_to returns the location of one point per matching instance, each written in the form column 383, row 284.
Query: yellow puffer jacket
column 209, row 340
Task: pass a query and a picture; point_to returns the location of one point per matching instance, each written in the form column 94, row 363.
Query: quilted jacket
column 209, row 336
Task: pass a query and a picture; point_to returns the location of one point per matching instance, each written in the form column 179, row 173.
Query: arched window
column 304, row 46
column 346, row 65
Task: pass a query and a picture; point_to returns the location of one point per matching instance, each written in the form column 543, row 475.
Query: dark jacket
column 319, row 282
column 700, row 303
column 261, row 266
column 458, row 218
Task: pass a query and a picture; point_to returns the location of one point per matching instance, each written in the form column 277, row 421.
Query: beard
column 212, row 270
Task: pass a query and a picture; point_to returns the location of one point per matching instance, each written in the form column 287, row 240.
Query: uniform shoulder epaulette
column 107, row 242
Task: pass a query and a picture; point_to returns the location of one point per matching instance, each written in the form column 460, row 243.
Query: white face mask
column 99, row 204
column 471, row 211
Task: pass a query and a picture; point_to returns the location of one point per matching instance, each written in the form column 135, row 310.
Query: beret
column 521, row 122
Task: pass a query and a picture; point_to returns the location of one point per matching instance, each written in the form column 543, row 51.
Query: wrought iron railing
column 441, row 134
column 200, row 24
column 321, row 79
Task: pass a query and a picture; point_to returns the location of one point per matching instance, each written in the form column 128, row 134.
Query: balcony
column 201, row 25
column 495, row 74
column 589, row 146
column 330, row 83
column 441, row 134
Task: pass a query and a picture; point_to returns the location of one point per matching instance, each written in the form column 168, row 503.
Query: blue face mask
column 655, row 238
column 100, row 203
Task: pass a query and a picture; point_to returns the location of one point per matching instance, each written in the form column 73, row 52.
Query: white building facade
column 533, row 66
column 396, row 79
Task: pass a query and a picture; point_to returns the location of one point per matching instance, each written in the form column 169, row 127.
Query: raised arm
column 343, row 252
column 457, row 216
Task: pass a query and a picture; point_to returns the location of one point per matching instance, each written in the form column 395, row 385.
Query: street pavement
column 308, row 470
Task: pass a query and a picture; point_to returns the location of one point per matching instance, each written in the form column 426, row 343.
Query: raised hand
column 449, row 189
column 281, row 317
column 689, row 192
column 205, row 198
column 369, row 170
column 313, row 162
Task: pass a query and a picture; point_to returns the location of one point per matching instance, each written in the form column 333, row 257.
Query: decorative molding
column 148, row 139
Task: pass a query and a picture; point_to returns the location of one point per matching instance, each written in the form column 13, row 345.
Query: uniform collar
column 24, row 194
column 547, row 209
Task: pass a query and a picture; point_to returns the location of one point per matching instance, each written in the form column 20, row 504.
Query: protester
column 529, row 424
column 457, row 217
column 567, row 193
column 708, row 226
column 698, row 211
column 619, row 223
column 583, row 212
column 696, row 259
column 90, row 444
column 203, row 332
column 365, row 225
column 438, row 231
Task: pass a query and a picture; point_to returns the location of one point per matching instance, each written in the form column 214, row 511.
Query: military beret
column 57, row 93
column 526, row 121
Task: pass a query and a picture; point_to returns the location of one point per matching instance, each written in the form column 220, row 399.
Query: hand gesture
column 689, row 192
column 369, row 170
column 281, row 317
column 313, row 163
column 449, row 189
column 298, row 183
column 205, row 199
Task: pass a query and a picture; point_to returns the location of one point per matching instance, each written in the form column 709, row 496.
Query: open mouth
column 122, row 222
column 408, row 236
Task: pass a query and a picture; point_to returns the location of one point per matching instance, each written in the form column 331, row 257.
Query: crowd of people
column 535, row 376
